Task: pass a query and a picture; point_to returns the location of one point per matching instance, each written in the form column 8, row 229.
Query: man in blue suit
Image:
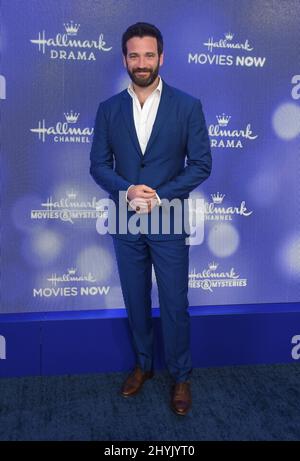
column 150, row 150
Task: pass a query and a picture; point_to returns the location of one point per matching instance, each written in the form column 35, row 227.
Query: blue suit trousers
column 170, row 259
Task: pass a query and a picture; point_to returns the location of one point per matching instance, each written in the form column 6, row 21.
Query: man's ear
column 124, row 61
column 161, row 59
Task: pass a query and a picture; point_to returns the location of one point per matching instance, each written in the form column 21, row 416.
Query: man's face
column 142, row 61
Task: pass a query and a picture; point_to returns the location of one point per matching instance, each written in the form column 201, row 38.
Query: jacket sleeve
column 102, row 160
column 199, row 161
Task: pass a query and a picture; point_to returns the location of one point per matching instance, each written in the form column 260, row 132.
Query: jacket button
column 143, row 165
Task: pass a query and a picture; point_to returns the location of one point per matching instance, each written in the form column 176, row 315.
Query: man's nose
column 141, row 62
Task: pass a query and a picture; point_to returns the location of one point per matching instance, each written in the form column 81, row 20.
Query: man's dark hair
column 143, row 29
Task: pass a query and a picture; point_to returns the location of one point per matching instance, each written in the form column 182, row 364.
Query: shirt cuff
column 158, row 199
column 132, row 185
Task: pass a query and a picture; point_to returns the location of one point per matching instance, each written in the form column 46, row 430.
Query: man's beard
column 143, row 81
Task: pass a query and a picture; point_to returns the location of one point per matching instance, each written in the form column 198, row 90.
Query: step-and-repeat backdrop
column 60, row 58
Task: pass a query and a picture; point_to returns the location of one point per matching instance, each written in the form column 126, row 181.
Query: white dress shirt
column 144, row 117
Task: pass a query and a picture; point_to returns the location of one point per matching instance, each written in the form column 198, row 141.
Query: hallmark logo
column 2, row 348
column 71, row 276
column 222, row 136
column 69, row 209
column 2, row 87
column 210, row 278
column 61, row 132
column 213, row 211
column 58, row 286
column 66, row 46
column 227, row 43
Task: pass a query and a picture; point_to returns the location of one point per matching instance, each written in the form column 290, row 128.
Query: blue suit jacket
column 177, row 158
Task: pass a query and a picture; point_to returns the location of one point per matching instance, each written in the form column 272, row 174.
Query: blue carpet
column 233, row 403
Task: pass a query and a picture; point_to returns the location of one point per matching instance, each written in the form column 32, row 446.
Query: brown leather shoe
column 135, row 381
column 182, row 398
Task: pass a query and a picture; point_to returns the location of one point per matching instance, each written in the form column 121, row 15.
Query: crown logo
column 229, row 36
column 72, row 271
column 217, row 198
column 71, row 28
column 223, row 119
column 71, row 116
column 213, row 266
column 71, row 195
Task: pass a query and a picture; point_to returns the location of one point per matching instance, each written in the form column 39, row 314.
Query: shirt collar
column 157, row 89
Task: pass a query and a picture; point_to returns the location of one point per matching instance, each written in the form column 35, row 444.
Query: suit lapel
column 161, row 116
column 127, row 111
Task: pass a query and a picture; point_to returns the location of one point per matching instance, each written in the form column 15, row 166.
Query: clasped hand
column 142, row 198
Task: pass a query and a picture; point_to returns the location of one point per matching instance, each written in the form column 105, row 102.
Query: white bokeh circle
column 286, row 121
column 223, row 240
column 289, row 256
column 42, row 247
column 21, row 213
